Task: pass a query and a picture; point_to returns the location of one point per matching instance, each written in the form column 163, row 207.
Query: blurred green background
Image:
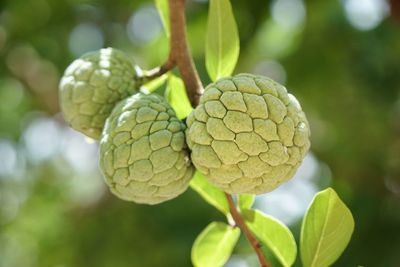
column 340, row 58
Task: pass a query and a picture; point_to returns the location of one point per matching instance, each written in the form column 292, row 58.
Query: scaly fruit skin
column 248, row 135
column 92, row 85
column 143, row 154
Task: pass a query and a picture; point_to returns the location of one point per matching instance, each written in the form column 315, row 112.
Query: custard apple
column 248, row 135
column 92, row 85
column 143, row 154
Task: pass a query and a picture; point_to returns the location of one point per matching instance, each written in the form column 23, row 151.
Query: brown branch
column 158, row 71
column 180, row 52
column 249, row 235
column 179, row 55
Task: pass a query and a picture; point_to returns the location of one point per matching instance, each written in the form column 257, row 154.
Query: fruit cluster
column 248, row 135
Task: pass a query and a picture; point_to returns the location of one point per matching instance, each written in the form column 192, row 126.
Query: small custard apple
column 143, row 153
column 92, row 85
column 248, row 135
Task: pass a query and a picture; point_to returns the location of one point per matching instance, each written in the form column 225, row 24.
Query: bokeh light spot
column 288, row 13
column 8, row 158
column 42, row 139
column 144, row 25
column 84, row 38
column 272, row 69
column 366, row 14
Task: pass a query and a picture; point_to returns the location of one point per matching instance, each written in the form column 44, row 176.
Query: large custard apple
column 143, row 153
column 248, row 135
column 92, row 85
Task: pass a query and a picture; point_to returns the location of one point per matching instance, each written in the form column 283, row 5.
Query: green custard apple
column 248, row 135
column 92, row 85
column 143, row 153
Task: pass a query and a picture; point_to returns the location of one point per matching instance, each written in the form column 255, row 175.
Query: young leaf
column 274, row 234
column 154, row 84
column 213, row 247
column 210, row 193
column 246, row 201
column 222, row 40
column 163, row 10
column 326, row 230
column 177, row 97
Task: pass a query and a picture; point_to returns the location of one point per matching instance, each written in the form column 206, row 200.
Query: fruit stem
column 149, row 75
column 237, row 217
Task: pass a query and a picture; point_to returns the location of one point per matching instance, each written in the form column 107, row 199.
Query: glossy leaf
column 177, row 97
column 163, row 10
column 222, row 40
column 274, row 234
column 245, row 201
column 326, row 230
column 156, row 83
column 209, row 193
column 214, row 245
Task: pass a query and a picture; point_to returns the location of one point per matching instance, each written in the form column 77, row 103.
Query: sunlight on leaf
column 274, row 234
column 156, row 83
column 222, row 40
column 326, row 230
column 163, row 10
column 245, row 201
column 210, row 193
column 177, row 97
column 214, row 245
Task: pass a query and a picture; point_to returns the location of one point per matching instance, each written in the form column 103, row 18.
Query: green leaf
column 177, row 97
column 274, row 234
column 163, row 10
column 154, row 84
column 214, row 245
column 246, row 201
column 326, row 230
column 210, row 193
column 222, row 40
